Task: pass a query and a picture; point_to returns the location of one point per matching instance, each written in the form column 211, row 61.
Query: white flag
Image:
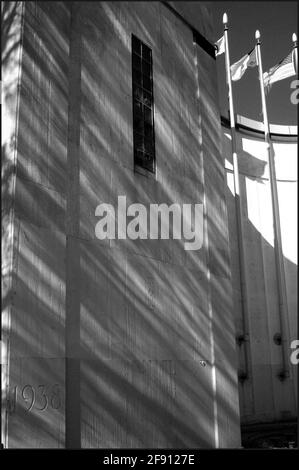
column 284, row 69
column 219, row 46
column 239, row 68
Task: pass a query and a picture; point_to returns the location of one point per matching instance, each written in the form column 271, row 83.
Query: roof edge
column 244, row 123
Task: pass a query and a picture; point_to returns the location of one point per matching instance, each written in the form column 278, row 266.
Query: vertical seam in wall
column 206, row 245
column 72, row 257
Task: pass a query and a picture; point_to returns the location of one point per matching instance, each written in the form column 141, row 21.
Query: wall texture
column 103, row 341
column 106, row 337
column 34, row 343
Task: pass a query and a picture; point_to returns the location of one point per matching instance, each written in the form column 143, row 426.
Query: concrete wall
column 106, row 337
column 264, row 397
column 35, row 341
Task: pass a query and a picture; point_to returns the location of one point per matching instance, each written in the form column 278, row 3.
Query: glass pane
column 146, row 82
column 137, row 77
column 138, row 109
column 139, row 124
column 139, row 140
column 146, row 69
column 148, row 146
column 139, row 160
column 146, row 53
column 136, row 60
column 138, row 95
column 144, row 160
column 136, row 45
column 148, row 115
column 147, row 98
column 148, row 131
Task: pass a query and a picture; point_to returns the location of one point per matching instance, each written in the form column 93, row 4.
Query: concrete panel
column 145, row 404
column 34, row 414
column 39, row 296
column 36, row 402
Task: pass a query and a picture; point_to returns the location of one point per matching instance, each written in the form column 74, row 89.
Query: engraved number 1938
column 39, row 397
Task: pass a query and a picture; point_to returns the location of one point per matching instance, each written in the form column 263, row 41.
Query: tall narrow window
column 143, row 106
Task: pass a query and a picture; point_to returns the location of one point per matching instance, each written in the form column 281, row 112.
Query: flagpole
column 238, row 205
column 294, row 39
column 281, row 284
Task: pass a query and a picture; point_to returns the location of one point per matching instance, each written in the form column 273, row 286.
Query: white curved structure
column 267, row 398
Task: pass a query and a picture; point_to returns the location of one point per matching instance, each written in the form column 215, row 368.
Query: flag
column 239, row 68
column 284, row 69
column 219, row 46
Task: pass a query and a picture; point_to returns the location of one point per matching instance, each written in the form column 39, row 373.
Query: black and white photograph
column 149, row 229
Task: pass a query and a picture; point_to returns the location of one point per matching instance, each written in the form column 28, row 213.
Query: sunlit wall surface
column 265, row 396
column 115, row 343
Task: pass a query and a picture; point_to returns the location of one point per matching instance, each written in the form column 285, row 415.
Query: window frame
column 146, row 137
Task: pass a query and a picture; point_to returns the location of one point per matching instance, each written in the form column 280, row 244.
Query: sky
column 276, row 20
